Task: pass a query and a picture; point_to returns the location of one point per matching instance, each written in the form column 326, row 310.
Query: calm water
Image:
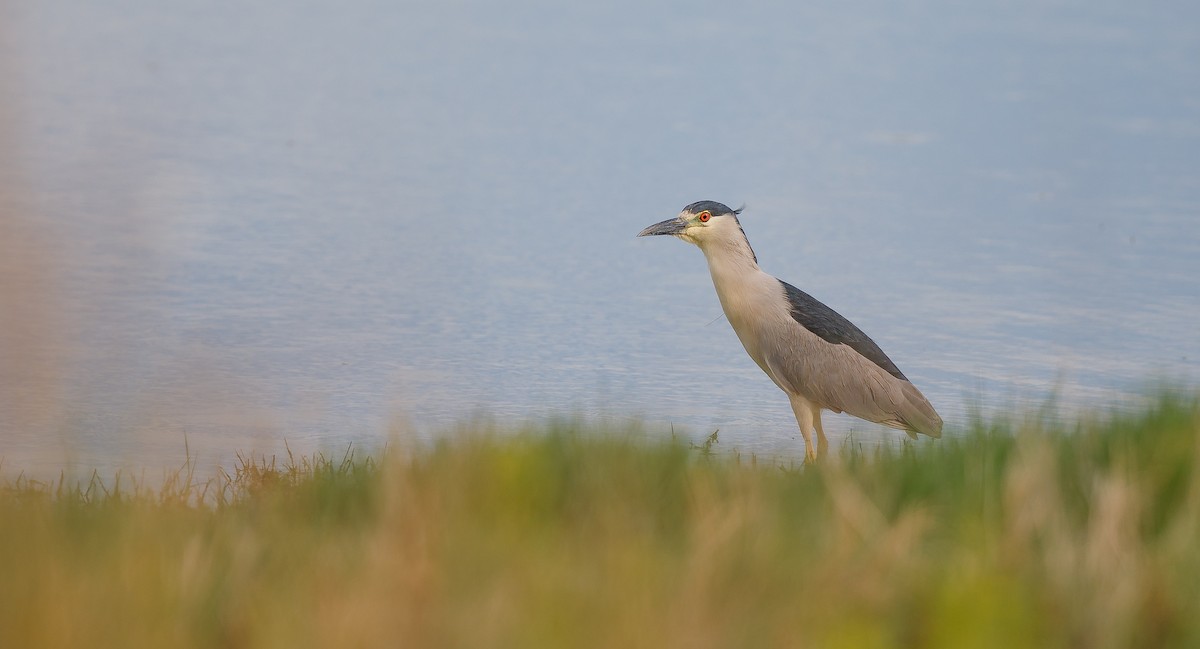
column 321, row 221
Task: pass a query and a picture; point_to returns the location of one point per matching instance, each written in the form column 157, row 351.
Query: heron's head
column 704, row 223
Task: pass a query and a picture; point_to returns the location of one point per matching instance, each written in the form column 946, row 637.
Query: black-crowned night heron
column 817, row 357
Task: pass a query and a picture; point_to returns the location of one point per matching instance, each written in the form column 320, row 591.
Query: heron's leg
column 822, row 441
column 804, row 417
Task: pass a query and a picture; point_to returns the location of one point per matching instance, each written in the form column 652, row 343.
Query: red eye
column 704, row 217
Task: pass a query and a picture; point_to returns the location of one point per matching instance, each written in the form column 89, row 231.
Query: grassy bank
column 1085, row 535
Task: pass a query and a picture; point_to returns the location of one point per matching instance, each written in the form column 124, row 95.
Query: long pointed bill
column 670, row 226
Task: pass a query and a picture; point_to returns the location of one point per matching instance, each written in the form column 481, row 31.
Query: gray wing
column 845, row 371
column 837, row 378
column 835, row 329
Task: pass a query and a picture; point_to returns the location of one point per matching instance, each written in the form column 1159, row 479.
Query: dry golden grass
column 1008, row 536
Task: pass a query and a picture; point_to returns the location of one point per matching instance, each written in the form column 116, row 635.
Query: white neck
column 748, row 296
column 730, row 258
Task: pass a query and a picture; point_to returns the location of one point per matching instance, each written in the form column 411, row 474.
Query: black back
column 833, row 328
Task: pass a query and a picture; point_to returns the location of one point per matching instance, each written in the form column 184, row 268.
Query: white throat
column 729, row 258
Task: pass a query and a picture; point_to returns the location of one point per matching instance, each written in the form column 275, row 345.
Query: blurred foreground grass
column 1065, row 535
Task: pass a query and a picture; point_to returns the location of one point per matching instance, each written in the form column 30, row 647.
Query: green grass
column 1066, row 535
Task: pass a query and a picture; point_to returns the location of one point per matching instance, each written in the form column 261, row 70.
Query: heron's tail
column 917, row 415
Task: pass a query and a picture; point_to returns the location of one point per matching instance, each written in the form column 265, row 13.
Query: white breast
column 754, row 304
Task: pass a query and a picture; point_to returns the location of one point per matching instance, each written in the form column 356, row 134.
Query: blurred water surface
column 243, row 223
